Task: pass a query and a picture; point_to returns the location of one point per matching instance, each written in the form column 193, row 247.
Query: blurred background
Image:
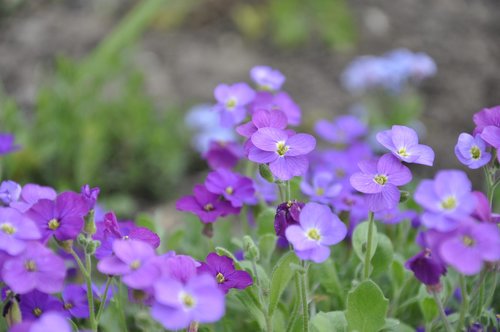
column 96, row 91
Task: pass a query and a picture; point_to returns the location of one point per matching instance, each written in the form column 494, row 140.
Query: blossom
column 277, row 101
column 32, row 193
column 35, row 304
column 323, row 187
column 232, row 101
column 223, row 270
column 177, row 267
column 485, row 118
column 206, row 205
column 75, row 300
column 7, row 144
column 50, row 321
column 483, row 209
column 403, row 143
column 267, row 78
column 36, row 268
column 380, row 180
column 395, row 215
column 223, row 154
column 134, row 261
column 266, row 190
column 287, row 214
column 15, row 230
column 90, row 195
column 471, row 151
column 343, row 130
column 426, row 267
column 235, row 188
column 62, row 217
column 285, row 154
column 446, row 199
column 177, row 304
column 318, row 229
column 10, row 191
column 263, row 118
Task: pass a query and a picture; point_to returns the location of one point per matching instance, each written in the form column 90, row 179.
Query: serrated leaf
column 359, row 240
column 265, row 221
column 282, row 274
column 366, row 307
column 383, row 255
column 329, row 321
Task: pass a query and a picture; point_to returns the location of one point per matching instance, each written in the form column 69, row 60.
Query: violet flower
column 232, row 101
column 483, row 209
column 267, row 78
column 10, row 191
column 322, row 189
column 285, row 154
column 35, row 304
column 223, row 154
column 318, row 229
column 447, row 199
column 206, row 205
column 7, row 144
column 395, row 215
column 222, row 269
column 50, row 321
column 281, row 101
column 287, row 214
column 426, row 268
column 36, row 268
column 15, row 230
column 90, row 195
column 403, row 143
column 75, row 300
column 263, row 118
column 177, row 305
column 380, row 181
column 62, row 217
column 343, row 130
column 235, row 188
column 471, row 151
column 177, row 267
column 32, row 193
column 485, row 118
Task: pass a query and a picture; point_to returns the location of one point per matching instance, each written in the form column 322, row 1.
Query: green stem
column 465, row 302
column 303, row 298
column 86, row 272
column 441, row 312
column 121, row 313
column 269, row 324
column 368, row 254
column 492, row 291
column 103, row 299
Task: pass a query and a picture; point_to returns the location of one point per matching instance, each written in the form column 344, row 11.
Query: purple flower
column 206, row 205
column 36, row 268
column 395, row 215
column 177, row 267
column 471, row 151
column 75, row 300
column 134, row 261
column 267, row 78
column 343, row 130
column 285, row 154
column 263, row 118
column 470, row 245
column 177, row 304
column 223, row 154
column 15, row 230
column 403, row 143
column 287, row 214
column 323, row 187
column 426, row 268
column 232, row 100
column 32, row 193
column 447, row 199
column 318, row 229
column 483, row 209
column 90, row 195
column 267, row 191
column 491, row 135
column 221, row 268
column 235, row 188
column 62, row 217
column 7, row 144
column 380, row 180
column 277, row 101
column 35, row 304
column 50, row 321
column 10, row 191
column 486, row 117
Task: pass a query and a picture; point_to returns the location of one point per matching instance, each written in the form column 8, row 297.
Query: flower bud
column 265, row 172
column 251, row 250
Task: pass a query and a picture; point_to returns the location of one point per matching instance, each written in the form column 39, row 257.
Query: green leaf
column 398, row 271
column 427, row 304
column 250, row 303
column 359, row 240
column 282, row 274
column 383, row 255
column 145, row 220
column 329, row 321
column 267, row 245
column 366, row 307
column 394, row 325
column 265, row 221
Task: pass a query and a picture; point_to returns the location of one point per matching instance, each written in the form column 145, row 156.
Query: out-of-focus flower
column 426, row 268
column 395, row 215
column 15, row 231
column 485, row 118
column 281, row 101
column 75, row 300
column 223, row 270
column 10, row 191
column 7, row 144
column 32, row 193
column 34, row 304
column 50, row 321
column 232, row 101
column 343, row 130
column 267, row 78
column 223, row 154
column 483, row 211
column 323, row 187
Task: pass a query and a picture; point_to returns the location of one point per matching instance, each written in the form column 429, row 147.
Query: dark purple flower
column 62, row 217
column 343, row 130
column 10, row 191
column 223, row 154
column 206, row 205
column 177, row 305
column 285, row 154
column 133, row 260
column 267, row 78
column 232, row 101
column 403, row 143
column 380, row 180
column 426, row 268
column 471, row 151
column 318, row 229
column 32, row 193
column 277, row 101
column 287, row 214
column 90, row 195
column 222, row 269
column 75, row 300
column 7, row 144
column 36, row 268
column 15, row 230
column 35, row 304
column 235, row 188
column 323, row 187
column 486, row 117
column 447, row 199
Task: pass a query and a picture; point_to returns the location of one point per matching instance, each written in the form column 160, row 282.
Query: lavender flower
column 50, row 321
column 7, row 144
column 15, row 230
column 318, row 229
column 395, row 215
column 343, row 130
column 285, row 154
column 237, row 189
column 277, row 101
column 426, row 268
column 447, row 199
column 267, row 78
column 380, row 180
column 36, row 303
column 471, row 151
column 75, row 300
column 485, row 118
column 177, row 267
column 322, row 189
column 263, row 118
column 223, row 270
column 10, row 191
column 32, row 193
column 403, row 143
column 287, row 214
column 483, row 209
column 232, row 100
column 223, row 155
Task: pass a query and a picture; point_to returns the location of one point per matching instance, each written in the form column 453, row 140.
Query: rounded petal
column 365, row 183
column 267, row 138
column 300, row 144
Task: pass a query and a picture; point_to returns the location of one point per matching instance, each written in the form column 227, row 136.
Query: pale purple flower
column 177, row 305
column 491, row 135
column 277, row 101
column 34, row 304
column 285, row 154
column 36, row 268
column 403, row 143
column 447, row 199
column 343, row 130
column 232, row 101
column 177, row 267
column 323, row 187
column 235, row 188
column 380, row 181
column 75, row 300
column 263, row 118
column 267, row 78
column 471, row 151
column 32, row 193
column 483, row 209
column 395, row 215
column 486, row 117
column 50, row 321
column 222, row 269
column 15, row 231
column 10, row 191
column 318, row 229
column 7, row 144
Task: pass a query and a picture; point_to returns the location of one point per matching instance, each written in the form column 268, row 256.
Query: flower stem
column 86, row 272
column 303, row 298
column 368, row 253
column 104, row 299
column 465, row 302
column 446, row 323
column 121, row 313
column 269, row 323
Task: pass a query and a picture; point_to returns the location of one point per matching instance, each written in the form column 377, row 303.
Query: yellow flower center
column 220, row 278
column 54, row 224
column 7, row 228
column 37, row 312
column 320, row 191
column 30, row 266
column 281, row 148
column 231, row 103
column 475, row 152
column 449, row 203
column 188, row 300
column 229, row 190
column 380, row 179
column 208, row 207
column 68, row 306
column 402, row 152
column 313, row 234
column 135, row 264
column 468, row 241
